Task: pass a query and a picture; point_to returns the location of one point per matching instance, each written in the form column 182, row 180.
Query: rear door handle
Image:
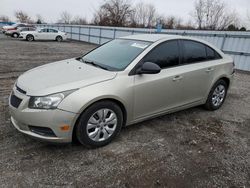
column 210, row 69
column 176, row 78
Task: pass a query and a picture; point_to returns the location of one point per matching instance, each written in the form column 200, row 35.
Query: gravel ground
column 191, row 148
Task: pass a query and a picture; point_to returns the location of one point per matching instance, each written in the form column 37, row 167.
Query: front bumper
column 23, row 118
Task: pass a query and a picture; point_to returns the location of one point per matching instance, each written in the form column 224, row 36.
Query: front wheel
column 15, row 35
column 217, row 95
column 99, row 124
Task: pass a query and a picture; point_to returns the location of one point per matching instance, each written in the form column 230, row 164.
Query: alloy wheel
column 218, row 95
column 101, row 125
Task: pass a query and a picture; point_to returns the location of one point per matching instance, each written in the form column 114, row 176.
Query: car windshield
column 116, row 55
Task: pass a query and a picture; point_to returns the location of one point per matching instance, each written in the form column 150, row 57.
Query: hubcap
column 218, row 95
column 101, row 125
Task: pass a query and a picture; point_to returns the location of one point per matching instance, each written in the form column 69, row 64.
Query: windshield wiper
column 94, row 64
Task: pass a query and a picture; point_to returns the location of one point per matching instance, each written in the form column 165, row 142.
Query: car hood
column 61, row 76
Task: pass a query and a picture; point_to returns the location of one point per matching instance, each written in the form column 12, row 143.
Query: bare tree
column 199, row 13
column 213, row 14
column 39, row 19
column 171, row 22
column 65, row 17
column 113, row 13
column 144, row 15
column 79, row 21
column 248, row 17
column 23, row 17
column 4, row 18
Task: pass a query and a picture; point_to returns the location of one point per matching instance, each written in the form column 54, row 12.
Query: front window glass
column 165, row 55
column 116, row 54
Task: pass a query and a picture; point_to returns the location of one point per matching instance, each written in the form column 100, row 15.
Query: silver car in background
column 122, row 82
column 15, row 33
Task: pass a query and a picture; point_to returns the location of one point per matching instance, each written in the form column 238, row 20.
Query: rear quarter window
column 193, row 51
column 197, row 52
column 212, row 54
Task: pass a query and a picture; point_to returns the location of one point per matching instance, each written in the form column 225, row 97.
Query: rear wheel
column 99, row 124
column 15, row 35
column 59, row 39
column 217, row 95
column 30, row 38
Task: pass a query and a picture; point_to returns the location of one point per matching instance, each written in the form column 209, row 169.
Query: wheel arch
column 14, row 34
column 29, row 34
column 118, row 102
column 227, row 80
column 59, row 36
column 222, row 77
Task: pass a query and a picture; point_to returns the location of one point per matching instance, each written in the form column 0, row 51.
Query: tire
column 15, row 35
column 93, row 131
column 59, row 39
column 30, row 38
column 217, row 95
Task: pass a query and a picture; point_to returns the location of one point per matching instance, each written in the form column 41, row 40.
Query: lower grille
column 15, row 101
column 44, row 131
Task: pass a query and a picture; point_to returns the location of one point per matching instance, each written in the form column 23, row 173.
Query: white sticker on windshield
column 138, row 45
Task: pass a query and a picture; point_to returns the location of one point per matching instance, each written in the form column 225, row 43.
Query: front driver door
column 155, row 93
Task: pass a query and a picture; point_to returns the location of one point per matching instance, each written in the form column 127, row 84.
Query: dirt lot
column 192, row 148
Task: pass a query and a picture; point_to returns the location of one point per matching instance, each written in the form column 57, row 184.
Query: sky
column 50, row 9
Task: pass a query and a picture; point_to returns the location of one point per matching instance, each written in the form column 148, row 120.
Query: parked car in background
column 15, row 33
column 122, row 82
column 44, row 34
column 14, row 26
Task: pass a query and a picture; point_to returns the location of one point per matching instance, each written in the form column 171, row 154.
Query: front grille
column 20, row 90
column 15, row 101
column 44, row 131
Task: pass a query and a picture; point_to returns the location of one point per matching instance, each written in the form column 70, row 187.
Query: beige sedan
column 122, row 82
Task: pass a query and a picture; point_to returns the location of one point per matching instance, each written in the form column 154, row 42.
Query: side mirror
column 149, row 68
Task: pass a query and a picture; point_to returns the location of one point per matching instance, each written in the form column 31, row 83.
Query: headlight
column 48, row 102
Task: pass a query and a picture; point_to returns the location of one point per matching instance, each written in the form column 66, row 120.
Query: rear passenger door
column 52, row 34
column 42, row 34
column 196, row 70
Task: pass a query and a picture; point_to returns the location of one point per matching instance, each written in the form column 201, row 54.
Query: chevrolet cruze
column 122, row 82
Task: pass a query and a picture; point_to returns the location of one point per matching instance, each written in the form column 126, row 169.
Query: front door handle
column 176, row 78
column 210, row 69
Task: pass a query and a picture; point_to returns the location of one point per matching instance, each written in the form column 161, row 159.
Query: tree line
column 206, row 15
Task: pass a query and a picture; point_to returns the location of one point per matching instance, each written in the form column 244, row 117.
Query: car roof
column 156, row 37
column 152, row 37
column 47, row 28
